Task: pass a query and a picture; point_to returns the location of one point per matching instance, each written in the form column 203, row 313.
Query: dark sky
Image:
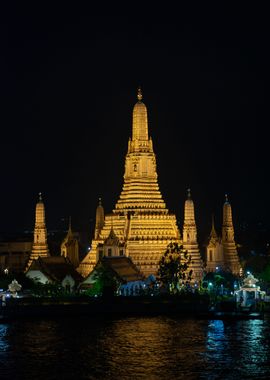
column 69, row 77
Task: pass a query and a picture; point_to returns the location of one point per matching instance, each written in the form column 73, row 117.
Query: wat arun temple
column 140, row 226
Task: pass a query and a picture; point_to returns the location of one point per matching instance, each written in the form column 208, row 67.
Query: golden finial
column 139, row 94
column 189, row 193
column 40, row 197
column 226, row 198
column 99, row 202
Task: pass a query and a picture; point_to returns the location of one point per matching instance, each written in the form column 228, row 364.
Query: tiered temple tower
column 40, row 246
column 229, row 247
column 140, row 220
column 190, row 238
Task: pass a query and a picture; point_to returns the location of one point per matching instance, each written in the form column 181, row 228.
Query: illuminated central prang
column 140, row 191
column 140, row 221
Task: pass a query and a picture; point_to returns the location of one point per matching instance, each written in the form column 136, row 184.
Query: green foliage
column 226, row 279
column 95, row 290
column 106, row 283
column 47, row 290
column 265, row 274
column 173, row 268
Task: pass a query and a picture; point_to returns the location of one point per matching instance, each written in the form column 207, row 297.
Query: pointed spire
column 213, row 233
column 139, row 93
column 40, row 197
column 139, row 120
column 99, row 218
column 227, row 211
column 40, row 246
column 189, row 216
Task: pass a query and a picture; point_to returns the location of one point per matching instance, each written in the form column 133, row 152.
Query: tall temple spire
column 229, row 247
column 190, row 238
column 227, row 212
column 139, row 120
column 189, row 217
column 140, row 190
column 40, row 246
column 99, row 218
column 140, row 220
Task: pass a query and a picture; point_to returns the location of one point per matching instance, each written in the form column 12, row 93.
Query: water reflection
column 3, row 341
column 134, row 348
column 238, row 349
column 152, row 346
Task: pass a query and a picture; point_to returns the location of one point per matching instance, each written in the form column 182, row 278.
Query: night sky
column 69, row 78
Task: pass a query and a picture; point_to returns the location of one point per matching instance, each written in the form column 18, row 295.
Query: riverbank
column 94, row 306
column 195, row 307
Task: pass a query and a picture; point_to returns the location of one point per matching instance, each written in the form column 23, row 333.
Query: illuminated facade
column 222, row 252
column 140, row 222
column 40, row 246
column 190, row 238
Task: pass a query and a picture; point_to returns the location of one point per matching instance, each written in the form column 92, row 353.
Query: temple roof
column 55, row 267
column 121, row 266
column 112, row 239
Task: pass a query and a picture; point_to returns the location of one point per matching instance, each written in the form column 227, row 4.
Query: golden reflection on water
column 154, row 346
column 134, row 348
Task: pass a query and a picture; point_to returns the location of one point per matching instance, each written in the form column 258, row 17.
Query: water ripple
column 134, row 348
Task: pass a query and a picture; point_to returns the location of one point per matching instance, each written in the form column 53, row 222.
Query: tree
column 106, row 281
column 173, row 267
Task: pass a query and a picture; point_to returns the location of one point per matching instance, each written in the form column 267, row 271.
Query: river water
column 134, row 348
